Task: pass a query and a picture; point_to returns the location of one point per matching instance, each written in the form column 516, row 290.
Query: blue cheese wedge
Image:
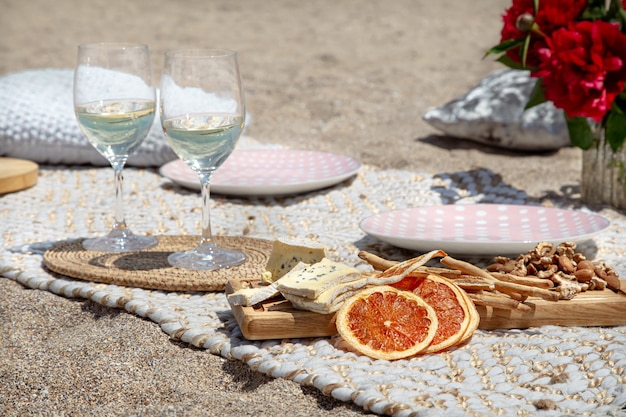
column 312, row 280
column 330, row 300
column 286, row 254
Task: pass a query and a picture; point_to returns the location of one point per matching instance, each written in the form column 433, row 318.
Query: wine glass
column 114, row 102
column 202, row 115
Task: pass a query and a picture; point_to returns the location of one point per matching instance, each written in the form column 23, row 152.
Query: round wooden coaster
column 17, row 174
column 149, row 268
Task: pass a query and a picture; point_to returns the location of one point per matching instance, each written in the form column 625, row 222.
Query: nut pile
column 570, row 271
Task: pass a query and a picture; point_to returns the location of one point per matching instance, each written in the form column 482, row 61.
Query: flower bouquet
column 577, row 51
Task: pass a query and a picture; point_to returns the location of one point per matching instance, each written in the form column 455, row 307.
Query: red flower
column 584, row 68
column 552, row 15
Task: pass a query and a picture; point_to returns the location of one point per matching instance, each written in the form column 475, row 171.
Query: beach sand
column 346, row 76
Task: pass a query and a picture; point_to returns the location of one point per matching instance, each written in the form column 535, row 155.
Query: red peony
column 552, row 15
column 583, row 68
column 576, row 49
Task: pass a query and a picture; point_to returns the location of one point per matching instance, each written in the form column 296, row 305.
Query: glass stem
column 120, row 222
column 207, row 237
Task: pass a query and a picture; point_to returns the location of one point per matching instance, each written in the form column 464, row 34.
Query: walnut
column 597, row 283
column 566, row 248
column 501, row 259
column 566, row 287
column 531, row 269
column 609, row 275
column 520, row 270
column 548, row 272
column 544, row 249
column 546, row 261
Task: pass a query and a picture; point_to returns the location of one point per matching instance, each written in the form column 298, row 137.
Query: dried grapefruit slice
column 453, row 313
column 383, row 322
column 474, row 318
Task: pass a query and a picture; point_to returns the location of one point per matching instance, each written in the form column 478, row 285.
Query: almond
column 600, row 272
column 585, row 264
column 566, row 265
column 613, row 282
column 584, row 275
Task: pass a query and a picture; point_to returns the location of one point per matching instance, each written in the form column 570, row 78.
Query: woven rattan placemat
column 149, row 268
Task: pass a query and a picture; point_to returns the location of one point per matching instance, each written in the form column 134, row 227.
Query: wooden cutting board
column 17, row 174
column 277, row 319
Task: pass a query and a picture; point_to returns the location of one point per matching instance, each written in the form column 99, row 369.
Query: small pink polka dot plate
column 269, row 172
column 482, row 229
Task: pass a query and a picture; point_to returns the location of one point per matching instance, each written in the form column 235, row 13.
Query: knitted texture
column 546, row 371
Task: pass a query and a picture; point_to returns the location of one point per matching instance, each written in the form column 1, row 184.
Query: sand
column 347, row 76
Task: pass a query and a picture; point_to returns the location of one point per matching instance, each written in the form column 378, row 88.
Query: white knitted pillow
column 37, row 123
column 492, row 112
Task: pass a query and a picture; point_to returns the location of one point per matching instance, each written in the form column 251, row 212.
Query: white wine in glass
column 202, row 114
column 114, row 102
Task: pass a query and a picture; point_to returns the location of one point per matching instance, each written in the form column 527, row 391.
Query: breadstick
column 375, row 261
column 467, row 268
column 517, row 297
column 531, row 281
column 497, row 301
column 525, row 290
column 451, row 273
column 472, row 285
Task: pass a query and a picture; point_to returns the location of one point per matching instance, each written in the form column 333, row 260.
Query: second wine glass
column 202, row 115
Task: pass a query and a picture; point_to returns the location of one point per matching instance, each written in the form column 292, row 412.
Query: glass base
column 120, row 241
column 207, row 257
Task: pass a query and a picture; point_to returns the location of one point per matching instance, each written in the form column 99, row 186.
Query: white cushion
column 37, row 123
column 493, row 113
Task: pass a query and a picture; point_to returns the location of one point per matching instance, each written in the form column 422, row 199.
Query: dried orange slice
column 474, row 318
column 383, row 322
column 446, row 298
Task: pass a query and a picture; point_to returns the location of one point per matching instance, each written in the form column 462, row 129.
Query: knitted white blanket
column 547, row 371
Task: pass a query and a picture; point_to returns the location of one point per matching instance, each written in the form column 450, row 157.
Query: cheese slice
column 330, row 300
column 287, row 253
column 310, row 281
column 252, row 296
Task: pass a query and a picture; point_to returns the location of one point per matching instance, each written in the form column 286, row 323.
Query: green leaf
column 506, row 60
column 536, row 96
column 615, row 132
column 504, row 46
column 619, row 104
column 580, row 134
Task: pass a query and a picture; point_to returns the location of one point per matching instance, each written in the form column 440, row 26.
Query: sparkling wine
column 116, row 127
column 203, row 141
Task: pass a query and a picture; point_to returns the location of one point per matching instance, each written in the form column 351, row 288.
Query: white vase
column 604, row 174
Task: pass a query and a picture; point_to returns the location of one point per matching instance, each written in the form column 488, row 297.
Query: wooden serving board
column 277, row 319
column 17, row 174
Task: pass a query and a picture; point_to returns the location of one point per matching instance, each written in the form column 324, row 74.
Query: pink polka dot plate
column 269, row 172
column 482, row 229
